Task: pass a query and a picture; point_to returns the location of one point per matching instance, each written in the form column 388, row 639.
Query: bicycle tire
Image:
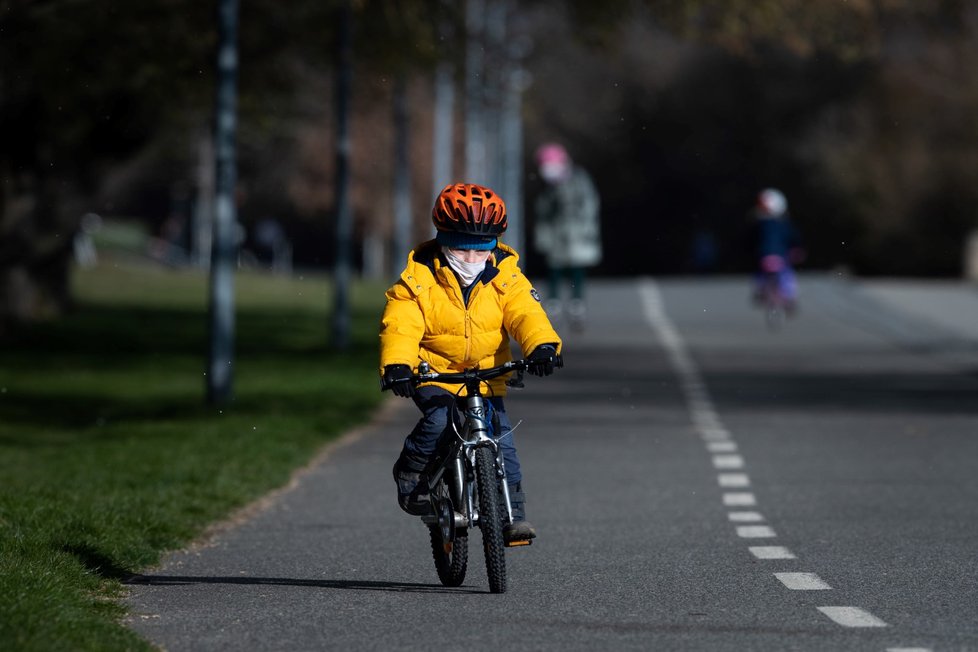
column 774, row 313
column 451, row 566
column 489, row 521
column 774, row 317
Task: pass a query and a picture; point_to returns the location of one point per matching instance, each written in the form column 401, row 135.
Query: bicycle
column 466, row 478
column 777, row 307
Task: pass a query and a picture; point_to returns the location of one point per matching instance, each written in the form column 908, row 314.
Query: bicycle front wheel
column 489, row 523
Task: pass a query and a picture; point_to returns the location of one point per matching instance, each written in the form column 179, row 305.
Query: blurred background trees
column 863, row 112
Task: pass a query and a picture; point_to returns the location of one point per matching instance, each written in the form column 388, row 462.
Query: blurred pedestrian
column 775, row 244
column 567, row 230
column 84, row 242
column 272, row 245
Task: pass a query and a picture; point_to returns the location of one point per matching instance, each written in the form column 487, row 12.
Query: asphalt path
column 698, row 482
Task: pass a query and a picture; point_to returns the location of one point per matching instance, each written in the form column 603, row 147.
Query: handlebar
column 475, row 374
column 461, row 377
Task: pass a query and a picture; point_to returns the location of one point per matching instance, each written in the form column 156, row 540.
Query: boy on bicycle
column 776, row 245
column 455, row 306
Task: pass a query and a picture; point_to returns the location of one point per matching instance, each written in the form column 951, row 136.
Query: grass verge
column 109, row 455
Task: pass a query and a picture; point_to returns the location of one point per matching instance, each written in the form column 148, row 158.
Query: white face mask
column 467, row 272
column 554, row 171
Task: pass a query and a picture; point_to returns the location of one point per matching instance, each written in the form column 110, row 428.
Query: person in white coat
column 567, row 230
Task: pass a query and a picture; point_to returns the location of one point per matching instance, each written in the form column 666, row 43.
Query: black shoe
column 412, row 493
column 518, row 531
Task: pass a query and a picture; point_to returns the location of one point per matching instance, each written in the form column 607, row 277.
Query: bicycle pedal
column 519, row 542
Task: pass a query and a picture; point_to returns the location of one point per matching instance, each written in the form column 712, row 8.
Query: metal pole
column 444, row 109
column 442, row 172
column 402, row 176
column 511, row 132
column 494, row 80
column 221, row 304
column 344, row 212
column 475, row 128
column 203, row 212
column 511, row 137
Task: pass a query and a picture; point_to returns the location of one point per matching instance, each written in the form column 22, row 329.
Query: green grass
column 109, row 455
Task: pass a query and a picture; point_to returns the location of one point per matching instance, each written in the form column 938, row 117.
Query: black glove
column 397, row 378
column 543, row 359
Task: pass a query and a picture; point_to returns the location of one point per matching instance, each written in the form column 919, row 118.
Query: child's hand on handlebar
column 397, row 377
column 543, row 360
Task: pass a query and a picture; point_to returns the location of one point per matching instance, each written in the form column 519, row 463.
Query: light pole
column 344, row 213
column 221, row 300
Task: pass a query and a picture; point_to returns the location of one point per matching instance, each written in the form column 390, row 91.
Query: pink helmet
column 554, row 163
column 552, row 153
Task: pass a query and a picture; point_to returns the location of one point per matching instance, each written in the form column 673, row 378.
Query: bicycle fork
column 480, row 432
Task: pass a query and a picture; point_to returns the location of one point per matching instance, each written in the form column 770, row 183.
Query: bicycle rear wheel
column 451, row 566
column 774, row 317
column 489, row 521
column 449, row 544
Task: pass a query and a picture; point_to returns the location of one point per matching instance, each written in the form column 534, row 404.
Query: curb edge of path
column 382, row 415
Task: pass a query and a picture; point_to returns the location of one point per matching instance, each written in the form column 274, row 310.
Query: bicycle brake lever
column 516, row 380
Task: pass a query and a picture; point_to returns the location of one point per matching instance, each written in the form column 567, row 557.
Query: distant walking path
column 950, row 304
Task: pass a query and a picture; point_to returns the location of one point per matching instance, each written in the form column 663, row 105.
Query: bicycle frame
column 458, row 461
column 467, row 476
column 773, row 300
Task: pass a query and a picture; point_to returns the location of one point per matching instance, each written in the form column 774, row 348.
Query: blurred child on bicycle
column 776, row 245
column 455, row 306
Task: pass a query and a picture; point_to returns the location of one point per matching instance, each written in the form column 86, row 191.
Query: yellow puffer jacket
column 426, row 318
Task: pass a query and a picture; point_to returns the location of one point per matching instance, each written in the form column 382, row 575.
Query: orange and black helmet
column 470, row 209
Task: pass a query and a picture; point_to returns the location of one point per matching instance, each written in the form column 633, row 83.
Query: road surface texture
column 698, row 482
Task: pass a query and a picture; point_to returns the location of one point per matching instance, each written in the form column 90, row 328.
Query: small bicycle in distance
column 466, row 478
column 771, row 298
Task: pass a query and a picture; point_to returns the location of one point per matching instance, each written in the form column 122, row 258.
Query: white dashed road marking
column 725, row 458
column 755, row 532
column 802, row 581
column 852, row 617
column 739, row 499
column 733, row 480
column 728, row 461
column 771, row 552
column 745, row 517
column 714, row 434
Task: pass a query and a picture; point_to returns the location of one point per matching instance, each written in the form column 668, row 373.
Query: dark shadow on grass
column 85, row 413
column 123, row 346
column 96, row 562
column 116, row 336
column 357, row 585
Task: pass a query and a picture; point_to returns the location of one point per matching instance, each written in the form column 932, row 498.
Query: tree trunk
column 35, row 252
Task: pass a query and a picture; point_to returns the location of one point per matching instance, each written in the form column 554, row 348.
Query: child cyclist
column 455, row 306
column 776, row 245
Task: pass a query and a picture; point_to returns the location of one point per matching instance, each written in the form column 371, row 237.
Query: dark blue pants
column 435, row 404
column 575, row 277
